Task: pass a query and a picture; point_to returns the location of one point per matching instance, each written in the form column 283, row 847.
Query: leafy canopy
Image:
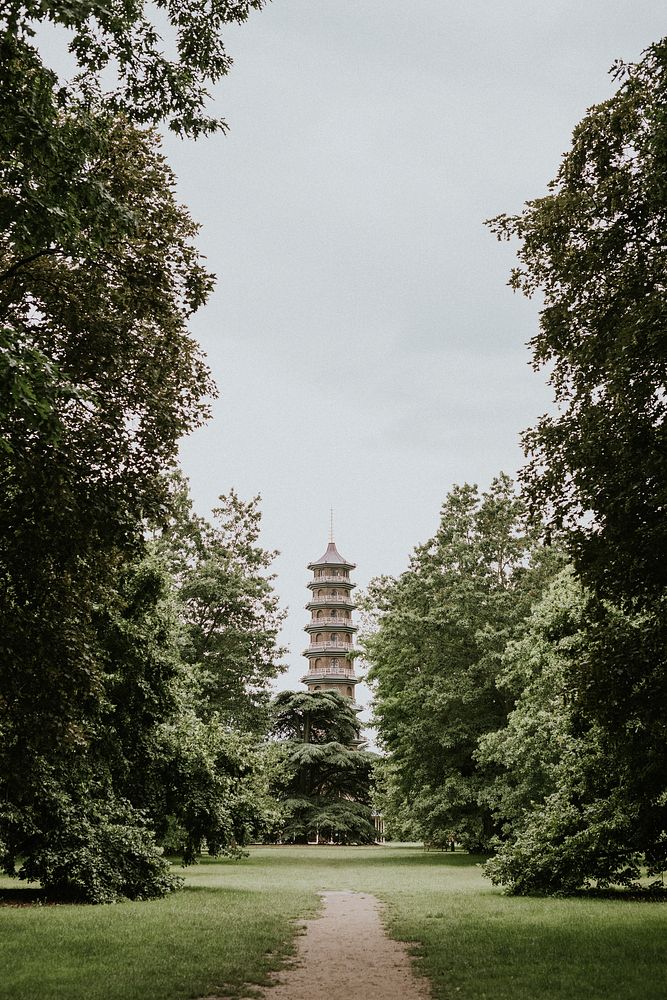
column 227, row 605
column 583, row 794
column 102, row 379
column 595, row 248
column 434, row 653
column 579, row 797
column 157, row 79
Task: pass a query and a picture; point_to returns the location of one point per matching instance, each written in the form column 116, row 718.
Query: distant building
column 331, row 629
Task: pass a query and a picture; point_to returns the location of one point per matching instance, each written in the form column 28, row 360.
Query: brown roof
column 331, row 557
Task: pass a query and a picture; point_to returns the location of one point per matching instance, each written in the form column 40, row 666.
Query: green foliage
column 101, row 749
column 440, row 630
column 102, row 379
column 99, row 853
column 577, row 801
column 321, row 777
column 209, row 788
column 595, row 249
column 584, row 796
column 126, row 36
column 536, row 676
column 229, row 609
column 76, row 771
column 319, row 717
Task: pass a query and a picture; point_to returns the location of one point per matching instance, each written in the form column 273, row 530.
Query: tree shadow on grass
column 349, row 857
column 634, row 894
column 20, row 896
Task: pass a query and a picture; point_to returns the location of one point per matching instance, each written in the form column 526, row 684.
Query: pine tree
column 323, row 779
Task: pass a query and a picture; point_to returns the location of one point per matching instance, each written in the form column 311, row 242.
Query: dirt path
column 345, row 954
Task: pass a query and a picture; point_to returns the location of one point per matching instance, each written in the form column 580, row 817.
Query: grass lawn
column 234, row 921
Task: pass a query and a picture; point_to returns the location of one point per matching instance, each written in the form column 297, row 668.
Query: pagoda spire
column 330, row 654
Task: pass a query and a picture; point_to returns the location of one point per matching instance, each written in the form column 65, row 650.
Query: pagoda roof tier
column 325, row 602
column 328, row 649
column 328, row 623
column 324, row 674
column 331, row 557
column 336, row 581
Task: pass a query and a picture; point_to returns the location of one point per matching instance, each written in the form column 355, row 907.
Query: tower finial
column 331, row 538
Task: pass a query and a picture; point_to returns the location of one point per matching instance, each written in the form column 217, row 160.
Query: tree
column 323, row 779
column 127, row 36
column 141, row 769
column 595, row 249
column 434, row 655
column 75, row 761
column 231, row 615
column 571, row 802
column 104, row 380
column 196, row 782
column 101, row 750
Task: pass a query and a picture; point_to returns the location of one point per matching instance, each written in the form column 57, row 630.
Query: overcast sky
column 368, row 352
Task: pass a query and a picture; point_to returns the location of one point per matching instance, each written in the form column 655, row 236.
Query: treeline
column 137, row 639
column 519, row 663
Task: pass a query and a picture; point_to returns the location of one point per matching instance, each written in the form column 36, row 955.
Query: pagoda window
column 349, row 692
column 318, row 637
column 318, row 663
column 319, row 614
column 334, row 613
column 333, row 637
column 335, row 662
column 317, row 687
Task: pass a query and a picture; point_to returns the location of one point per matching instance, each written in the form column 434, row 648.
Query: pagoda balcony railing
column 329, row 672
column 344, row 581
column 326, row 622
column 341, row 588
column 343, row 647
column 329, row 600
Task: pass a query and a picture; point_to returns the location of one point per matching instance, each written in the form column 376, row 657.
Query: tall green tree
column 594, row 247
column 103, row 379
column 434, row 653
column 230, row 612
column 77, row 763
column 100, row 378
column 197, row 783
column 572, row 805
column 323, row 778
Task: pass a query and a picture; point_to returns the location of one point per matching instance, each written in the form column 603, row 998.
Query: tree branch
column 11, row 271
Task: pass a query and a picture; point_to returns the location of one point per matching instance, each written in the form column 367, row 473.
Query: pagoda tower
column 331, row 630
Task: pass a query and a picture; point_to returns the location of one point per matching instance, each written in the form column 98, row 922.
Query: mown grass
column 235, row 920
column 200, row 941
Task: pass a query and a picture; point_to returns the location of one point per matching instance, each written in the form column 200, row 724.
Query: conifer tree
column 323, row 778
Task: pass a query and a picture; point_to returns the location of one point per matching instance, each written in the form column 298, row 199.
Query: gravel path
column 345, row 954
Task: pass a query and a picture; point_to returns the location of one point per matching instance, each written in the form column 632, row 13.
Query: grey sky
column 367, row 349
column 368, row 352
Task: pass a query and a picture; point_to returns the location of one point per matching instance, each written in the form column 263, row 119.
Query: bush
column 102, row 855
